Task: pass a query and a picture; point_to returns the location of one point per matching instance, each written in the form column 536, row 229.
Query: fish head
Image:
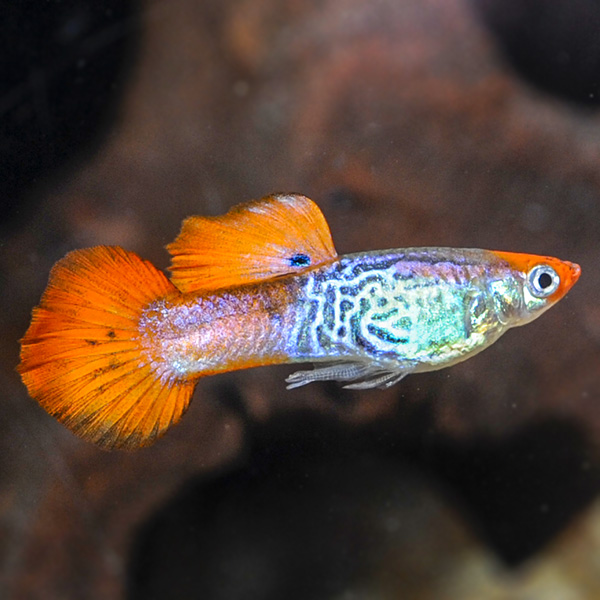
column 541, row 282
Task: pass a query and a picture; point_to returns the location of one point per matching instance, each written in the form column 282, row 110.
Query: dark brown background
column 437, row 122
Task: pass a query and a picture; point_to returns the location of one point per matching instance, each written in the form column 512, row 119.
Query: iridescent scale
column 377, row 316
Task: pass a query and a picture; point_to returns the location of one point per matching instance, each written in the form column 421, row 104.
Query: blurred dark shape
column 62, row 78
column 523, row 489
column 343, row 198
column 311, row 514
column 316, row 511
column 552, row 44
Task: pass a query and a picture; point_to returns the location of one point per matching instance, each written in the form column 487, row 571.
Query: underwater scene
column 300, row 300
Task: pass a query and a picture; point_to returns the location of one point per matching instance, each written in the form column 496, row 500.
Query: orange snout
column 567, row 271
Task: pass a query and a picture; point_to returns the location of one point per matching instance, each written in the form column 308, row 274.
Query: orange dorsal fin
column 258, row 240
column 81, row 357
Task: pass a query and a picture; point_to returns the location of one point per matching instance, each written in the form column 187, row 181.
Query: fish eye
column 542, row 281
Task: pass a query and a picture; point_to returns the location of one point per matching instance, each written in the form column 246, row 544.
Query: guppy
column 115, row 349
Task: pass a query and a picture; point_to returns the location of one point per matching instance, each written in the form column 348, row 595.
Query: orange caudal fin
column 278, row 235
column 80, row 357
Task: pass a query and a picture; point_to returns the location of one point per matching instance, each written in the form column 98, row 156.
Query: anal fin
column 356, row 375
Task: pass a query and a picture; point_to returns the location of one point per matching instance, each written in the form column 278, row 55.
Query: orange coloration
column 567, row 271
column 81, row 359
column 114, row 349
column 252, row 242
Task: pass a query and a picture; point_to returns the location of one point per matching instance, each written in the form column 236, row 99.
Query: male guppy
column 115, row 349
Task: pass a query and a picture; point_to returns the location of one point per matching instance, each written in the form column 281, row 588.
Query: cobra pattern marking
column 354, row 308
column 389, row 307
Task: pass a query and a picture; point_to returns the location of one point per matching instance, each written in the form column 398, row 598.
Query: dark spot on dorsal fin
column 300, row 260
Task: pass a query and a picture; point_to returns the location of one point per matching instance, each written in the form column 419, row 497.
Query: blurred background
column 469, row 123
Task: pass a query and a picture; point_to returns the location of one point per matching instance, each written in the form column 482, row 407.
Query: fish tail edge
column 81, row 357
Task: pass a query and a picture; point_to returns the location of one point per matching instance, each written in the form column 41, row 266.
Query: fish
column 115, row 349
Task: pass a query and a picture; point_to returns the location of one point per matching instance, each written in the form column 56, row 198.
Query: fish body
column 115, row 348
column 383, row 313
column 401, row 311
column 203, row 334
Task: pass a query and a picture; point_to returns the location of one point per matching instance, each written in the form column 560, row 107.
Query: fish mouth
column 575, row 271
column 572, row 275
